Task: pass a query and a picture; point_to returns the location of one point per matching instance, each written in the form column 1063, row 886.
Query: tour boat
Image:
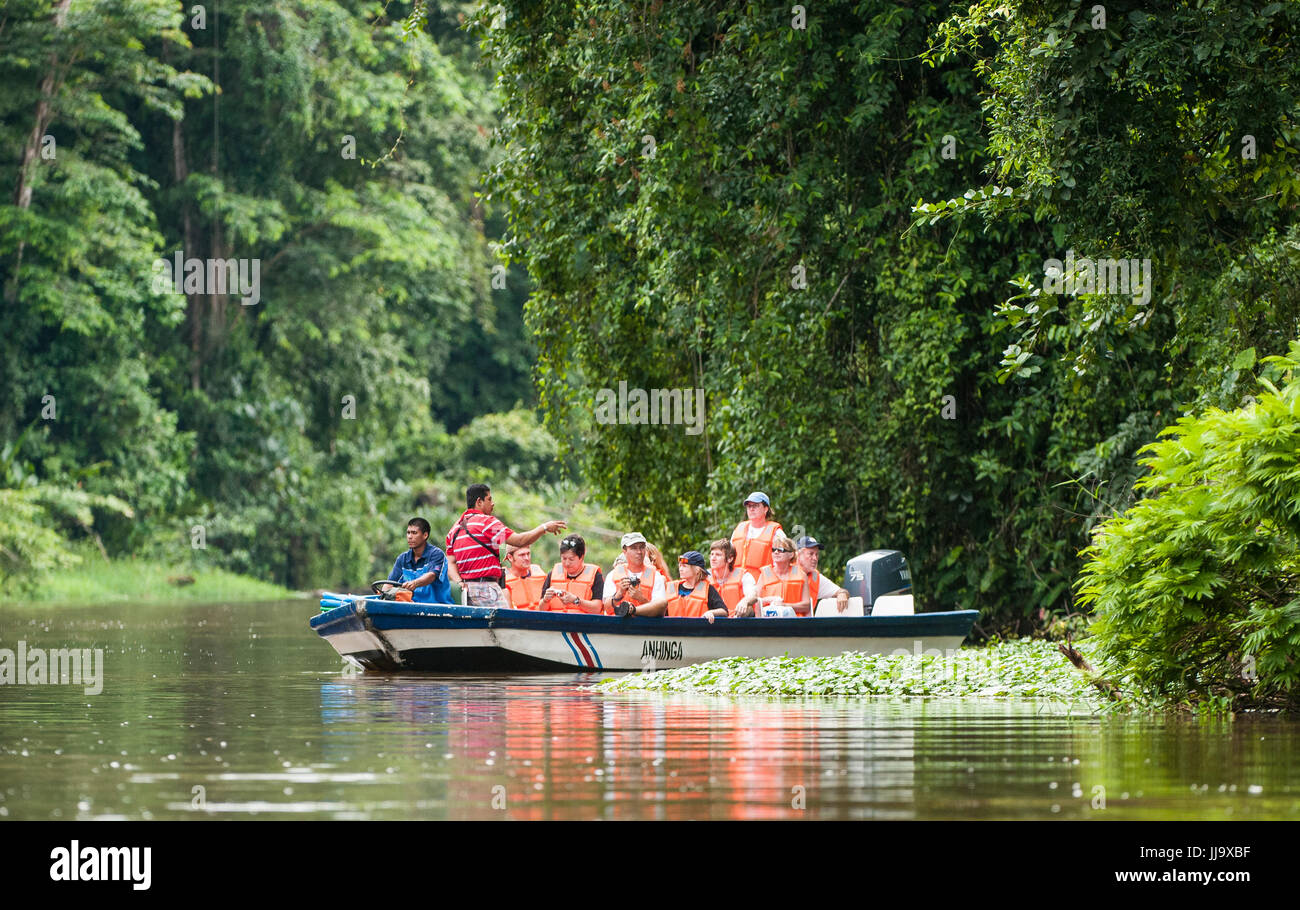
column 388, row 635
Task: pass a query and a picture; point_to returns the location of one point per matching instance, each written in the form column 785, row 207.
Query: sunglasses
column 781, row 550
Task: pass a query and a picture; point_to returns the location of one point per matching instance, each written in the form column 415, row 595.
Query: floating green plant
column 1009, row 669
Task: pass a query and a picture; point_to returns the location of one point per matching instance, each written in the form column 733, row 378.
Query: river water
column 240, row 711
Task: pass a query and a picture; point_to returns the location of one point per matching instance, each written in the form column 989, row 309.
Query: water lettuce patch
column 1010, row 669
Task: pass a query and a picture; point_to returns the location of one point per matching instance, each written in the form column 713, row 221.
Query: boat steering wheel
column 377, row 588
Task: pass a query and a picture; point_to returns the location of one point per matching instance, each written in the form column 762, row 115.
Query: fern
column 1196, row 588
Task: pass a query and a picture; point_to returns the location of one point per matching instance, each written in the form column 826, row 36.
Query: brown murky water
column 239, row 711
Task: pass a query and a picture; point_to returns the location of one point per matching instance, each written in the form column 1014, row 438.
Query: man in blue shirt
column 423, row 568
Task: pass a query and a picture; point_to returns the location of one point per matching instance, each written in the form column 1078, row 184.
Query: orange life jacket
column 731, row 589
column 695, row 603
column 790, row 589
column 647, row 586
column 581, row 586
column 753, row 554
column 527, row 591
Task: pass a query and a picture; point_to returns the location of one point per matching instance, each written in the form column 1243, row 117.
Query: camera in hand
column 633, row 580
column 622, row 608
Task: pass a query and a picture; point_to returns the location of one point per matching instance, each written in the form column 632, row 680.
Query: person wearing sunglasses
column 689, row 596
column 780, row 584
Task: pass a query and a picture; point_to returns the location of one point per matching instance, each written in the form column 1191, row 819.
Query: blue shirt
column 431, row 560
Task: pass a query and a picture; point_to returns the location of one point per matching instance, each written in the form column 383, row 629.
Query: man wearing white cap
column 808, row 553
column 636, row 581
column 753, row 538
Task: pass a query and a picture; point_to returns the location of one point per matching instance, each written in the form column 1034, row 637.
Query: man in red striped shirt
column 474, row 546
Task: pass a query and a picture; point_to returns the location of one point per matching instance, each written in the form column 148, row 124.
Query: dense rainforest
column 936, row 271
column 286, row 432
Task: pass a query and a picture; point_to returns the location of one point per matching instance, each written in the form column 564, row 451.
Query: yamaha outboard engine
column 876, row 574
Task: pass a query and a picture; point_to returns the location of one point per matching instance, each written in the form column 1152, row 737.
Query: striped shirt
column 474, row 561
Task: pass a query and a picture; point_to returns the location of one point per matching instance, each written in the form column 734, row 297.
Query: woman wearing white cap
column 753, row 538
column 649, row 584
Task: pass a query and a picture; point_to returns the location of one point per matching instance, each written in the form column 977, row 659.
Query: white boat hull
column 385, row 635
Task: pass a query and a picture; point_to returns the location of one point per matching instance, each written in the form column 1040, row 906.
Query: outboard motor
column 879, row 573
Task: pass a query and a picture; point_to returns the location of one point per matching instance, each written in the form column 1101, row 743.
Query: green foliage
column 31, row 519
column 1006, row 669
column 511, row 445
column 1168, row 135
column 662, row 173
column 77, row 307
column 777, row 148
column 1197, row 586
column 82, row 577
column 288, row 430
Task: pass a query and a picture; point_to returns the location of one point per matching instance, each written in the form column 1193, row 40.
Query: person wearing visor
column 689, row 596
column 780, row 584
column 807, row 554
column 753, row 537
column 573, row 586
column 635, row 580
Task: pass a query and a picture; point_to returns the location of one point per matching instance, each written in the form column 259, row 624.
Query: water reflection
column 238, row 712
column 546, row 748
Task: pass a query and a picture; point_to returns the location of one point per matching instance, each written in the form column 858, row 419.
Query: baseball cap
column 694, row 558
column 632, row 537
column 803, row 543
column 757, row 496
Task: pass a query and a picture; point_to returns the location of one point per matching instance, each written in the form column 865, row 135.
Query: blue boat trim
column 599, row 665
column 387, row 614
column 572, row 650
column 376, row 617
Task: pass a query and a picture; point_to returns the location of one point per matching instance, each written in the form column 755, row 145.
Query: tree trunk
column 23, row 192
column 193, row 302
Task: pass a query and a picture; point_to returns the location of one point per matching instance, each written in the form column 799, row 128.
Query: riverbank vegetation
column 85, row 578
column 1088, row 679
column 287, row 430
column 841, row 230
column 847, row 227
column 1196, row 588
column 1021, row 668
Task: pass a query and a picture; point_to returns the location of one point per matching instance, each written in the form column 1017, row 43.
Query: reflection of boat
column 389, row 635
column 547, row 748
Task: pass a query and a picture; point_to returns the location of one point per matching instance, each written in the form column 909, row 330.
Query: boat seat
column 894, row 605
column 826, row 607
